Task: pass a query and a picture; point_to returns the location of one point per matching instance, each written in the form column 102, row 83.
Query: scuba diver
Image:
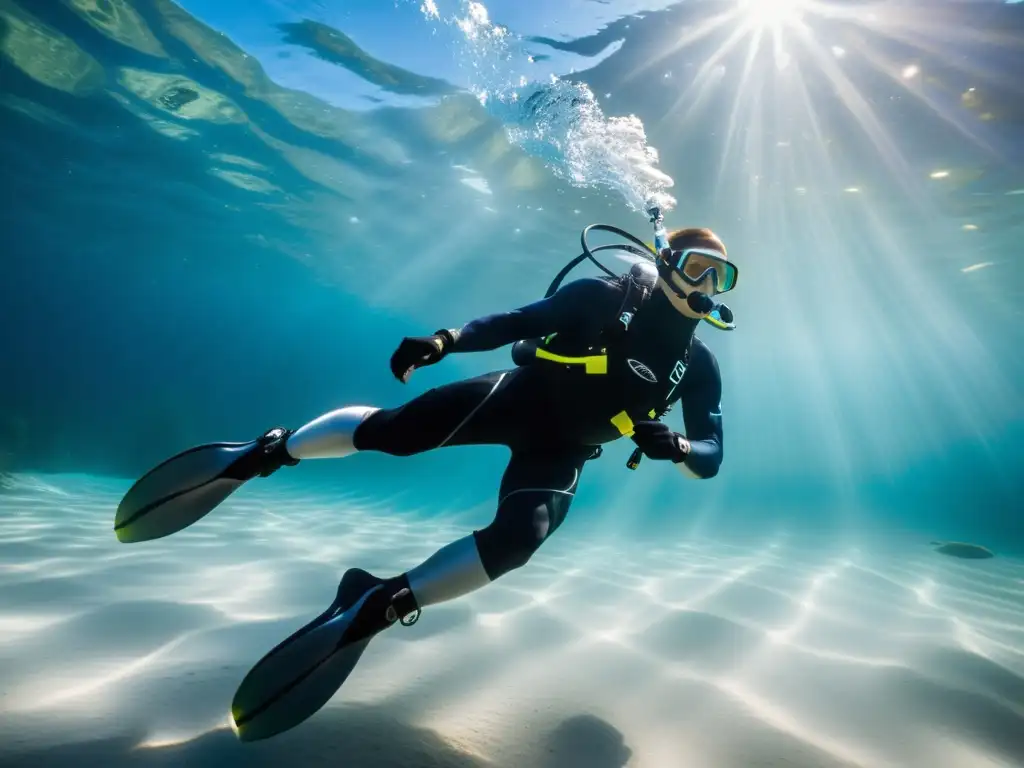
column 598, row 359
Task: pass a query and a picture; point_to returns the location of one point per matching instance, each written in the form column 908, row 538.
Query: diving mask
column 695, row 264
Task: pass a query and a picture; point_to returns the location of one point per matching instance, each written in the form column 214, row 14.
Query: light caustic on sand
column 702, row 651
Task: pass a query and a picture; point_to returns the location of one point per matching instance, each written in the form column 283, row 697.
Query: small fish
column 962, row 550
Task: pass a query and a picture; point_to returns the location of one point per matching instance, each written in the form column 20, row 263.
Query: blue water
column 223, row 216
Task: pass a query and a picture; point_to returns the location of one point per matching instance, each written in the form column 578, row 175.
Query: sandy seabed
column 599, row 654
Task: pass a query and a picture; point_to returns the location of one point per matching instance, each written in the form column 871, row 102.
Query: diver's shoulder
column 598, row 283
column 595, row 289
column 701, row 356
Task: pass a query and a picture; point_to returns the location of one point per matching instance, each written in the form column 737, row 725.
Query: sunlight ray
column 933, row 34
column 704, row 76
column 704, row 29
column 739, row 103
column 890, row 69
column 859, row 107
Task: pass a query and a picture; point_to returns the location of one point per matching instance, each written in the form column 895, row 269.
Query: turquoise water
column 224, row 216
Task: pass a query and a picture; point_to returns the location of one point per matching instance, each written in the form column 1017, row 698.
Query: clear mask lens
column 695, row 264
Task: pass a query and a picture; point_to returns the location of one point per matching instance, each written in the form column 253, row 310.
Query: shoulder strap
column 639, row 283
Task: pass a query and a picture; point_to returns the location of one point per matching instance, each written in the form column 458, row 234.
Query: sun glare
column 771, row 13
column 809, row 40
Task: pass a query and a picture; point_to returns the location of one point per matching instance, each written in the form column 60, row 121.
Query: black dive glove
column 417, row 352
column 657, row 441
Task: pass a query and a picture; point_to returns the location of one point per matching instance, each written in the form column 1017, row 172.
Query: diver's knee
column 503, row 549
column 508, row 560
column 380, row 432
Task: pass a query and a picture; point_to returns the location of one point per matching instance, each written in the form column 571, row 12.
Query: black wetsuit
column 553, row 415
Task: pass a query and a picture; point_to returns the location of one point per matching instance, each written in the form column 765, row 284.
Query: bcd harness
column 639, row 284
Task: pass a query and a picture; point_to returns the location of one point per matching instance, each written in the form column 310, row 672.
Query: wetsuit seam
column 472, row 413
column 567, row 492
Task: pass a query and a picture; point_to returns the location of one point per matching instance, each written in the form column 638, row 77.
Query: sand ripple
column 599, row 654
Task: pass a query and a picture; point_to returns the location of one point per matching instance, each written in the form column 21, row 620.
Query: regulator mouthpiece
column 700, row 303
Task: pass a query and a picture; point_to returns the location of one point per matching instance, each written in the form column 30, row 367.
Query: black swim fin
column 186, row 487
column 302, row 673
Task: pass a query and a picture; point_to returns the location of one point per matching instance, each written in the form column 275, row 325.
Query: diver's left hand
column 657, row 441
column 416, row 352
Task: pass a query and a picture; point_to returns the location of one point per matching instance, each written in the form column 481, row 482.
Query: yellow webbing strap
column 594, row 364
column 623, row 423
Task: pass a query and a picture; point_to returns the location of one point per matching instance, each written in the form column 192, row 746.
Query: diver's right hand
column 417, row 352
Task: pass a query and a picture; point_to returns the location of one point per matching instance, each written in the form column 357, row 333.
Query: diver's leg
column 536, row 492
column 187, row 487
column 535, row 495
column 440, row 416
column 533, row 500
column 299, row 675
